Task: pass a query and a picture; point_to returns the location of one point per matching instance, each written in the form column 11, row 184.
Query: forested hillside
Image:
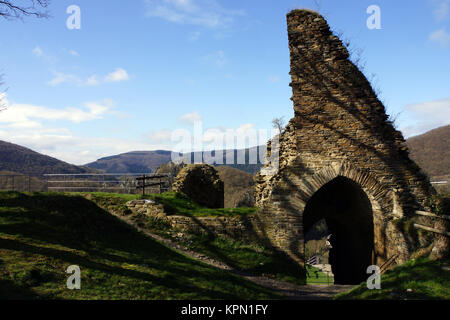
column 431, row 151
column 19, row 159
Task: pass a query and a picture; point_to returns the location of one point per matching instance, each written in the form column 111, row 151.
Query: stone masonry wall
column 340, row 128
column 201, row 183
column 239, row 228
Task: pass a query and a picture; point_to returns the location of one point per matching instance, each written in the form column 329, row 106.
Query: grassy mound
column 251, row 258
column 174, row 204
column 42, row 234
column 416, row 279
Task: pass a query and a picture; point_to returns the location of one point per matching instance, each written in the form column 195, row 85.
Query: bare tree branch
column 278, row 123
column 318, row 5
column 393, row 119
column 10, row 9
column 14, row 9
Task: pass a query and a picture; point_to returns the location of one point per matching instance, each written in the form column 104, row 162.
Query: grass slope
column 174, row 204
column 315, row 276
column 425, row 279
column 42, row 234
column 251, row 258
column 431, row 151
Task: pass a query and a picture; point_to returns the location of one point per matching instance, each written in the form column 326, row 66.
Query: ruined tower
column 340, row 160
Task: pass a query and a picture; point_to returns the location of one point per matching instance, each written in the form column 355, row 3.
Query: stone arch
column 377, row 193
column 282, row 215
column 349, row 216
column 339, row 129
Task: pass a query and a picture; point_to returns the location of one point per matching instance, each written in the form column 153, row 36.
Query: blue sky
column 137, row 70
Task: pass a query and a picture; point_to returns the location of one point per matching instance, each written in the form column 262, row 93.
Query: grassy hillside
column 416, row 279
column 176, row 203
column 42, row 234
column 19, row 159
column 431, row 151
column 254, row 258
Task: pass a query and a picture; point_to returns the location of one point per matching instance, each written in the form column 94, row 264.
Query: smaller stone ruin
column 202, row 184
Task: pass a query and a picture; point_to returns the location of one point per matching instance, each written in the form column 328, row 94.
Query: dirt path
column 289, row 290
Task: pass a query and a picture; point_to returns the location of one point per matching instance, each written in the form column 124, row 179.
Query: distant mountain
column 18, row 159
column 431, row 151
column 132, row 162
column 149, row 161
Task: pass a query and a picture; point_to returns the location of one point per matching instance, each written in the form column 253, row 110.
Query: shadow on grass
column 79, row 225
column 9, row 290
column 420, row 279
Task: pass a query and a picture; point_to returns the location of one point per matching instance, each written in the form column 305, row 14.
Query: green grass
column 426, row 280
column 251, row 258
column 41, row 234
column 315, row 276
column 176, row 203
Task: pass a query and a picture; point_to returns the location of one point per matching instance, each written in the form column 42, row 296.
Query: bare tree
column 13, row 9
column 278, row 123
column 393, row 119
column 318, row 5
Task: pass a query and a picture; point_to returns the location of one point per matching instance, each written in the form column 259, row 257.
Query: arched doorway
column 348, row 214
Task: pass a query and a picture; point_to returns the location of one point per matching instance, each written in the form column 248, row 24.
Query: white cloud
column 92, row 81
column 191, row 118
column 30, row 116
column 274, row 79
column 60, row 78
column 64, row 145
column 245, row 128
column 206, row 13
column 73, row 53
column 118, row 75
column 440, row 36
column 37, row 51
column 161, row 136
column 194, row 36
column 426, row 116
column 31, row 126
column 217, row 58
column 442, row 9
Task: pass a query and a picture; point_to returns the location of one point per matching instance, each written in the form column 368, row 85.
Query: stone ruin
column 341, row 160
column 201, row 183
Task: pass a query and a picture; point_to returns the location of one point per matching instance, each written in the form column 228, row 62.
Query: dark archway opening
column 348, row 214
